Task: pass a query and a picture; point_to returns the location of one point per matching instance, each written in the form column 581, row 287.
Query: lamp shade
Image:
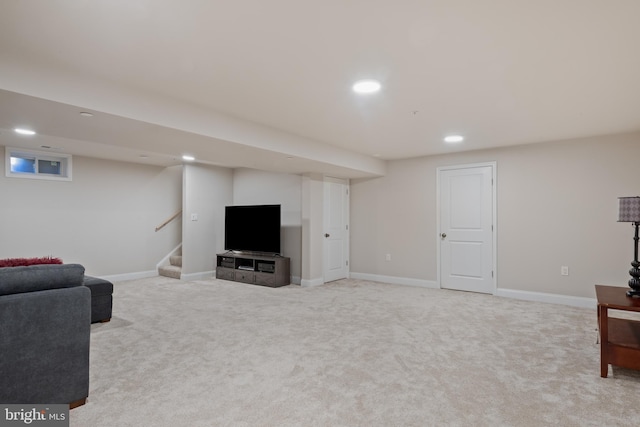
column 629, row 210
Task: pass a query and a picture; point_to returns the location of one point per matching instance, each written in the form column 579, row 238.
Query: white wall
column 104, row 219
column 254, row 187
column 312, row 230
column 207, row 190
column 557, row 205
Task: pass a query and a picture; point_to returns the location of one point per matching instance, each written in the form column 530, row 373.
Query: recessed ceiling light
column 366, row 86
column 188, row 158
column 454, row 138
column 86, row 114
column 24, row 131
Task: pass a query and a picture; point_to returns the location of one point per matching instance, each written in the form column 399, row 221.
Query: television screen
column 253, row 228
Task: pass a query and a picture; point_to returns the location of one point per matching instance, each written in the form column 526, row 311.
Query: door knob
column 443, row 235
column 327, row 235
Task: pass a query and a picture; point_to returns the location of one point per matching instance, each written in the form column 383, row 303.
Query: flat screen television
column 252, row 228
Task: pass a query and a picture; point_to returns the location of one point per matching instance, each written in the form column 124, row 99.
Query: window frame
column 66, row 164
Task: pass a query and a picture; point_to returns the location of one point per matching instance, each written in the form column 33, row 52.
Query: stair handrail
column 174, row 216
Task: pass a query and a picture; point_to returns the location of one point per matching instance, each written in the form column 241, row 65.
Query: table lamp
column 629, row 211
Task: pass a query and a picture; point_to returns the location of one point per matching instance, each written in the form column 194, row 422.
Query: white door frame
column 494, row 213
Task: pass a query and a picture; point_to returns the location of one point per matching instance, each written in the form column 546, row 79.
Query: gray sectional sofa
column 45, row 325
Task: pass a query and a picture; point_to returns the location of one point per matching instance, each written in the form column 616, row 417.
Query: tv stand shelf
column 263, row 270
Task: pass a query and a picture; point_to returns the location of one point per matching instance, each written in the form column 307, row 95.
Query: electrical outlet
column 387, row 257
column 194, row 217
column 564, row 270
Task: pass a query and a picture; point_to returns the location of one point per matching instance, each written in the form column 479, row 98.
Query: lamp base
column 634, row 282
column 633, row 293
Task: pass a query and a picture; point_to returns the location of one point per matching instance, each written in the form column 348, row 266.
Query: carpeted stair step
column 176, row 260
column 172, row 271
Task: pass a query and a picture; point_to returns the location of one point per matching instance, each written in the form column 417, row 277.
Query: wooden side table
column 619, row 338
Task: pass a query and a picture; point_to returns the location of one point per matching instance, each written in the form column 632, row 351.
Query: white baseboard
column 295, row 280
column 506, row 293
column 130, row 276
column 550, row 298
column 203, row 275
column 395, row 280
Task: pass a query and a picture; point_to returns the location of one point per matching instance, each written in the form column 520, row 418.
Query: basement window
column 21, row 163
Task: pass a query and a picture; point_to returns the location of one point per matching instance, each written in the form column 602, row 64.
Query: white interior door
column 336, row 226
column 467, row 233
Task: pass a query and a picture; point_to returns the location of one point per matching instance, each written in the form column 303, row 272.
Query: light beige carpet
column 349, row 353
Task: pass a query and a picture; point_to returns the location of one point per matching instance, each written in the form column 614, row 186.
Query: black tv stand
column 256, row 269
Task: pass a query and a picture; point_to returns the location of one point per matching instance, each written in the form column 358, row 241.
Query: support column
column 312, row 226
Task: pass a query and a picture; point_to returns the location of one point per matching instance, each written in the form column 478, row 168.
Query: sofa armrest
column 44, row 340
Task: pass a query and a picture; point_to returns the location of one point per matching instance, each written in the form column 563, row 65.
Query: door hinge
column 492, row 273
column 347, row 262
column 347, row 190
column 347, row 226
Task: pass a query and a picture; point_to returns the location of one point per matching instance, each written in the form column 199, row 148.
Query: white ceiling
column 266, row 84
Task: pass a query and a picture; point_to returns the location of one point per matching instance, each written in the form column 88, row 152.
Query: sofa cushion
column 14, row 280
